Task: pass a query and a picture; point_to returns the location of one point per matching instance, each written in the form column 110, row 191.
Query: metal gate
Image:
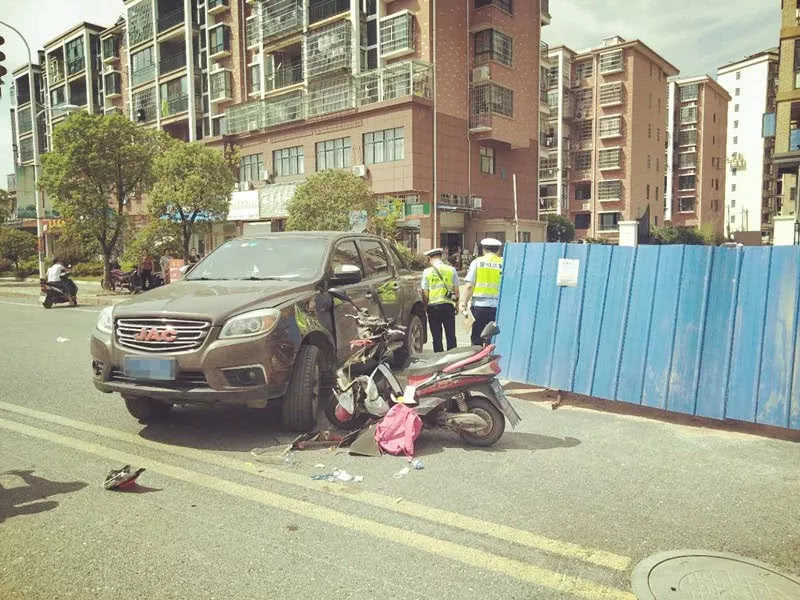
column 704, row 331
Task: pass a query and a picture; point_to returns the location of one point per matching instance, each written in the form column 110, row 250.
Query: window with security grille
column 251, row 168
column 140, row 23
column 491, row 44
column 583, row 105
column 583, row 191
column 584, row 70
column 609, row 190
column 610, row 127
column 329, row 49
column 687, row 182
column 384, row 146
column 143, row 108
column 690, row 92
column 687, row 160
column 491, row 98
column 585, row 129
column 689, row 114
column 608, row 221
column 687, row 137
column 506, row 5
column 611, row 62
column 221, row 84
column 487, row 160
column 254, row 78
column 288, row 161
column 334, row 154
column 686, row 204
column 25, row 121
column 397, row 33
column 143, row 66
column 609, row 159
column 611, row 93
column 583, row 160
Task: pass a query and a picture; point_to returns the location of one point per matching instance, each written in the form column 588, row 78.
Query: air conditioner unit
column 477, row 202
column 480, row 74
column 360, row 170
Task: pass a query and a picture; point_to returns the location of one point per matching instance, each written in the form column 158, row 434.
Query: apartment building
column 695, row 157
column 750, row 201
column 602, row 159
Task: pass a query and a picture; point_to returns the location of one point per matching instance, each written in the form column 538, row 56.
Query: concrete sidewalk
column 89, row 292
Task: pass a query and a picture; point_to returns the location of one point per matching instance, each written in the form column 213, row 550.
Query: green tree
column 324, row 201
column 98, row 165
column 559, row 229
column 193, row 182
column 158, row 238
column 16, row 246
column 690, row 236
column 5, row 206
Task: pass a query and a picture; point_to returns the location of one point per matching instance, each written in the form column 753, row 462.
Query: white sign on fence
column 567, row 275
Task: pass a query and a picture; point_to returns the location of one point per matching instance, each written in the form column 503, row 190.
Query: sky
column 696, row 36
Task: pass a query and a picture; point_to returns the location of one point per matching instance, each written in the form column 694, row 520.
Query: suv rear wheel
column 414, row 342
column 302, row 397
column 147, row 410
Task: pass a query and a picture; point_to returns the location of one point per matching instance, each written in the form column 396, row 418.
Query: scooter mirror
column 490, row 331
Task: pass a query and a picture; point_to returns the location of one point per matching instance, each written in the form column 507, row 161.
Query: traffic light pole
column 32, row 88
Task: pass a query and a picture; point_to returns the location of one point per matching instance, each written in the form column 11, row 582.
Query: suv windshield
column 266, row 258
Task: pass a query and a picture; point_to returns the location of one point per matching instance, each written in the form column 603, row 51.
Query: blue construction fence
column 698, row 330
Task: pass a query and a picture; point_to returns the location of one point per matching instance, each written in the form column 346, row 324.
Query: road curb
column 90, row 301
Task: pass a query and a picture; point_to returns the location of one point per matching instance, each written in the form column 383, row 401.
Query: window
column 659, row 105
column 647, row 189
column 687, row 137
column 76, row 60
column 493, row 45
column 583, row 160
column 658, row 165
column 583, row 103
column 611, row 93
column 737, row 91
column 736, row 139
column 583, row 191
column 736, row 108
column 650, row 101
column 583, row 220
column 334, row 154
column 648, row 161
column 609, row 190
column 733, row 187
column 374, row 257
column 686, row 182
column 658, row 134
column 58, row 96
column 609, row 221
column 526, row 236
column 714, row 140
column 796, row 63
column 251, row 168
column 689, row 114
column 254, row 79
column 345, row 254
column 584, row 70
column 733, row 218
column 733, row 203
column 736, row 124
column 219, row 39
column 686, row 204
column 492, row 98
column 288, row 161
column 585, row 130
column 649, row 131
column 397, row 34
column 609, row 158
column 384, row 146
column 690, row 92
column 687, row 160
column 611, row 62
column 733, row 171
column 487, row 160
column 506, row 5
column 143, row 66
column 610, row 127
column 655, row 197
column 738, row 75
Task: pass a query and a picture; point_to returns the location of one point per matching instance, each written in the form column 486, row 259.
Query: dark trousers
column 442, row 316
column 483, row 316
column 146, row 279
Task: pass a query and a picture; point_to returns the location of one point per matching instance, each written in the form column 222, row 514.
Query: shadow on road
column 18, row 501
column 431, row 442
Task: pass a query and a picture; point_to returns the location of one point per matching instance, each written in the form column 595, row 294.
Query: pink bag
column 396, row 432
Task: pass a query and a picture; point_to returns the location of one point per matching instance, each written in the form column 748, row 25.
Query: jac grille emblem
column 155, row 335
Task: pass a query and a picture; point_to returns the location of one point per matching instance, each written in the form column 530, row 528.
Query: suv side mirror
column 346, row 275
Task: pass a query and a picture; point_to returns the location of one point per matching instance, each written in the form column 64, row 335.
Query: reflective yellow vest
column 437, row 290
column 489, row 270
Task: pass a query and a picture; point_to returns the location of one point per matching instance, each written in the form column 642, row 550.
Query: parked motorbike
column 52, row 294
column 457, row 390
column 122, row 280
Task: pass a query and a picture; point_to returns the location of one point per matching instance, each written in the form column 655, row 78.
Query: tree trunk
column 107, row 269
column 187, row 234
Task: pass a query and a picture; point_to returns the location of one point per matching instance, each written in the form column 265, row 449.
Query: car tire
column 302, row 396
column 494, row 418
column 147, row 410
column 414, row 342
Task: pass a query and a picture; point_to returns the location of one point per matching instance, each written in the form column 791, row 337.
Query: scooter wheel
column 47, row 303
column 73, row 300
column 353, row 423
column 495, row 422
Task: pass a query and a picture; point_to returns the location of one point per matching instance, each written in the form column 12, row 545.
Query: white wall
column 743, row 206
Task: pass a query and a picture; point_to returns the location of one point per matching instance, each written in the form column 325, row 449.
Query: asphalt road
column 562, row 508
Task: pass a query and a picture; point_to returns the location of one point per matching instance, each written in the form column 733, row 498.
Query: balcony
column 174, row 105
column 219, row 40
column 110, row 49
column 319, row 10
column 24, row 121
column 397, row 35
column 287, row 76
column 545, row 11
column 548, row 204
column 170, row 20
column 263, row 114
column 11, row 182
column 398, row 80
column 329, row 50
column 79, row 98
column 221, row 86
column 143, row 75
column 112, row 84
column 544, row 52
column 172, row 63
column 55, row 72
column 330, row 95
column 76, row 65
column 548, row 173
column 486, row 100
column 26, row 150
column 281, row 17
column 218, row 6
column 609, row 191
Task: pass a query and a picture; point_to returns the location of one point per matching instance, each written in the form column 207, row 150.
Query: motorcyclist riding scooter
column 57, row 287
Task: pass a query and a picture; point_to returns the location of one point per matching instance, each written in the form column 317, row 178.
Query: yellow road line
column 421, row 511
column 564, row 584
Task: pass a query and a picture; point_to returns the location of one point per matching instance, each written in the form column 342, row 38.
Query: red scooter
column 457, row 390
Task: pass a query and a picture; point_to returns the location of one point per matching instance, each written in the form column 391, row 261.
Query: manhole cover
column 701, row 575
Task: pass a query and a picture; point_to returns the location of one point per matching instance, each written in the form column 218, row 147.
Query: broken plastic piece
column 319, row 466
column 401, row 473
column 61, row 340
column 358, row 478
column 121, row 478
column 417, row 464
column 342, row 475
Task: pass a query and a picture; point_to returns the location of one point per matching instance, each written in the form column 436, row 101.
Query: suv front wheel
column 302, row 397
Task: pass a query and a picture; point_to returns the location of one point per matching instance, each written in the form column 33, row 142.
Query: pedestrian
column 483, row 287
column 146, row 271
column 164, row 262
column 440, row 294
column 194, row 257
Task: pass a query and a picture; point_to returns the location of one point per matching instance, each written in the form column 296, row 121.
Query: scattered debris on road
column 338, row 475
column 417, row 464
column 402, row 473
column 121, row 478
column 61, row 340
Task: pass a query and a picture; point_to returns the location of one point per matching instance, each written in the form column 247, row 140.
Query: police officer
column 440, row 292
column 483, row 287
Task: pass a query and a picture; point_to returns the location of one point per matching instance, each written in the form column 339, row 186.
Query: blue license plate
column 153, row 369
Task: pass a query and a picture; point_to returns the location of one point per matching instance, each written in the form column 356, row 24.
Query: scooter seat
column 430, row 362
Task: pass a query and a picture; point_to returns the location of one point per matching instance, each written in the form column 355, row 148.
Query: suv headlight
column 105, row 322
column 247, row 324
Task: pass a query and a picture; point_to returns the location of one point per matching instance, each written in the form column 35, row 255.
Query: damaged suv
column 253, row 322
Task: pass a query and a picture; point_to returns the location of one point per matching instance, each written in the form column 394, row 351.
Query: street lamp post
column 32, row 88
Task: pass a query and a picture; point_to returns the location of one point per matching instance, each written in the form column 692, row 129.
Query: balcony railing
column 143, row 75
column 263, row 114
column 79, row 98
column 55, row 72
column 544, row 51
column 26, row 150
column 76, row 65
column 406, row 78
column 319, row 11
column 548, row 203
column 287, row 76
column 548, row 173
column 281, row 17
column 544, row 96
column 11, row 182
column 172, row 63
column 794, row 140
column 170, row 20
column 174, row 105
